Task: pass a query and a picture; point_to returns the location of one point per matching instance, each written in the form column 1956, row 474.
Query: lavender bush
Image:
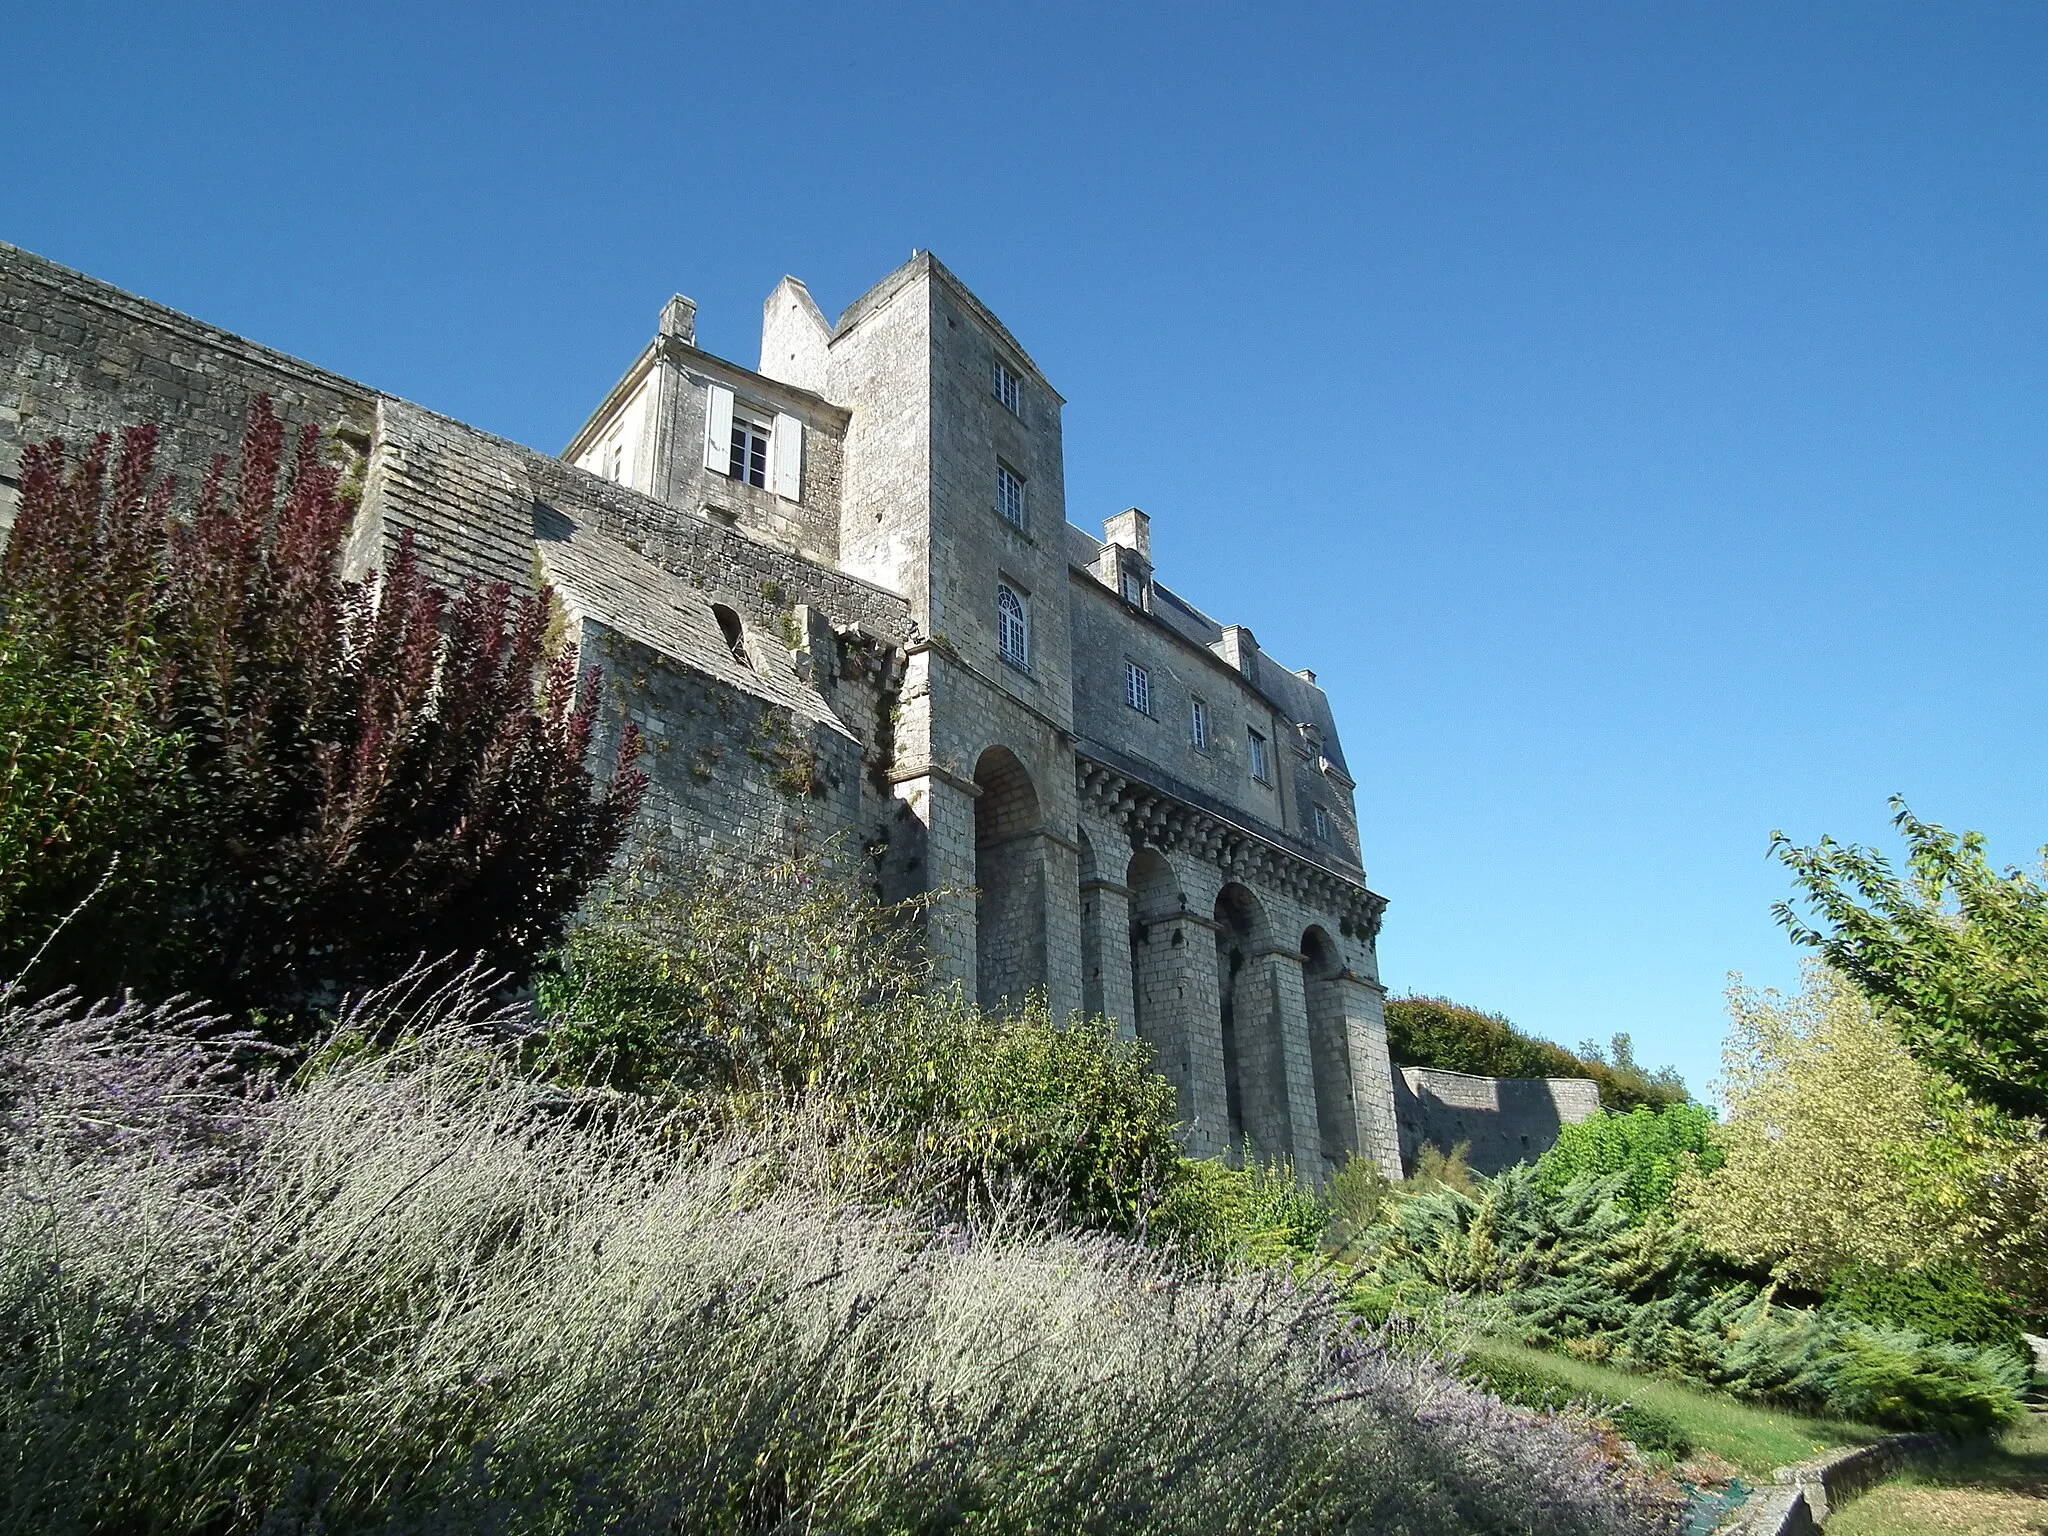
column 413, row 1290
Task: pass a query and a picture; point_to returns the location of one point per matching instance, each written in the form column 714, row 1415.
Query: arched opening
column 1254, row 1070
column 735, row 634
column 1092, row 990
column 1329, row 1047
column 1155, row 893
column 1009, row 880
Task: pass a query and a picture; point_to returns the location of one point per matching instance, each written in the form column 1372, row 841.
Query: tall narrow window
column 1321, row 820
column 1013, row 629
column 735, row 636
column 1198, row 725
column 1256, row 750
column 749, row 460
column 1010, row 493
column 618, row 464
column 1006, row 389
column 1137, row 688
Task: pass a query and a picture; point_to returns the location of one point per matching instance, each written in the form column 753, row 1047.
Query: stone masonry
column 839, row 594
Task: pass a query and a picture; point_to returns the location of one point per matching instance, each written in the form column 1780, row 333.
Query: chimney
column 1239, row 647
column 679, row 319
column 1133, row 530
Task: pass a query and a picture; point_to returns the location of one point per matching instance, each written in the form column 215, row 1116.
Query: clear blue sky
column 1635, row 413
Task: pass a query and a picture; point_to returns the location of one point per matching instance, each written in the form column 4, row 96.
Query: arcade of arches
column 1274, row 1040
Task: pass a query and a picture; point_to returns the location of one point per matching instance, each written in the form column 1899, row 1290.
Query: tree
column 1839, row 1148
column 1956, row 953
column 365, row 771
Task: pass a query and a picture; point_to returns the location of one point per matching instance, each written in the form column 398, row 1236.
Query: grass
column 1999, row 1488
column 1754, row 1438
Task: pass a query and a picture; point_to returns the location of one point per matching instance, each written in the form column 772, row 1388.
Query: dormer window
column 748, row 459
column 1006, row 391
column 1134, row 588
column 753, row 446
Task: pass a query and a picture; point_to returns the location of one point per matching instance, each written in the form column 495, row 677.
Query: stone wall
column 78, row 357
column 1506, row 1120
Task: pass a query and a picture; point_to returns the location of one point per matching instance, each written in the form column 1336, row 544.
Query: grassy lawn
column 1754, row 1438
column 1993, row 1490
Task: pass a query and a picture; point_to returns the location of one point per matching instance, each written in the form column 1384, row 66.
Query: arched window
column 1013, row 629
column 735, row 637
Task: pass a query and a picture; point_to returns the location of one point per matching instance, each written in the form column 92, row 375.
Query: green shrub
column 1646, row 1148
column 1436, row 1032
column 756, row 989
column 1255, row 1215
column 1903, row 1381
column 1944, row 1302
column 1357, row 1198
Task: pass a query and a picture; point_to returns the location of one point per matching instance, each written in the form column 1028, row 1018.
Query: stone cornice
column 1155, row 818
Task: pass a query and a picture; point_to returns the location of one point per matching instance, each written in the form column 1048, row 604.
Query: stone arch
column 1009, row 882
column 1254, row 1056
column 1329, row 1047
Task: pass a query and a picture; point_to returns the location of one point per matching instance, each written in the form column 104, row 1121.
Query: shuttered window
column 749, row 457
column 786, row 465
column 1013, row 628
column 718, row 429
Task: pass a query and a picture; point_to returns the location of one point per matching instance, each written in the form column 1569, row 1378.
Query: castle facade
column 839, row 593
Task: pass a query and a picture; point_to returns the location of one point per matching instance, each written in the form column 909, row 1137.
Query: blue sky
column 1634, row 413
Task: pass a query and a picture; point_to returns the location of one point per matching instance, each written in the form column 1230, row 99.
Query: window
column 749, row 461
column 1134, row 588
column 1006, row 389
column 1010, row 493
column 1257, row 752
column 1013, row 629
column 1198, row 725
column 1137, row 688
column 735, row 636
column 618, row 464
column 1320, row 818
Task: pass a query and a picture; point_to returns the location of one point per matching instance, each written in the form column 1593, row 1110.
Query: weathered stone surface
column 816, row 660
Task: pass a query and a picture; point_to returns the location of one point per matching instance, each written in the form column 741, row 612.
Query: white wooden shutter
column 718, row 429
column 786, row 450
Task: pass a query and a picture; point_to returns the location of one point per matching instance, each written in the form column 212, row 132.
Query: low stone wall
column 1507, row 1120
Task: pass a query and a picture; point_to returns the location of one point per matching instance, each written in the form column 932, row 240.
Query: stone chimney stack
column 679, row 319
column 1133, row 530
column 1240, row 648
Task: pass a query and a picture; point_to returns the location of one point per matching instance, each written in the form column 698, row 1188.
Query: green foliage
column 87, row 779
column 1436, row 1032
column 1945, row 1302
column 1901, row 1380
column 1437, row 1169
column 1956, row 952
column 1573, row 1269
column 757, row 989
column 1647, row 1148
column 1533, row 1385
column 1357, row 1198
column 362, row 772
column 1250, row 1216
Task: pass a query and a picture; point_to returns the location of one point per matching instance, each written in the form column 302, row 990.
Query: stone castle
column 839, row 594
